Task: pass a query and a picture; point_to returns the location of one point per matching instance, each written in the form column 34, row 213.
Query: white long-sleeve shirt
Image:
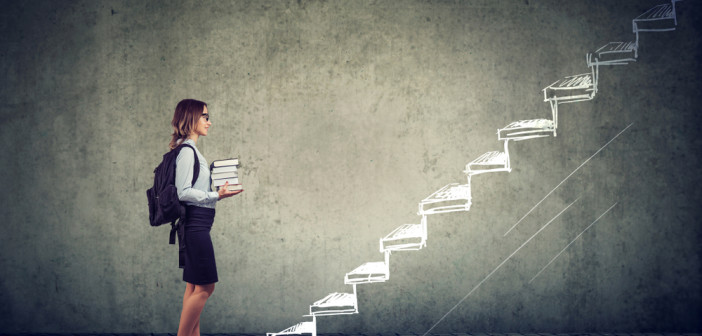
column 199, row 194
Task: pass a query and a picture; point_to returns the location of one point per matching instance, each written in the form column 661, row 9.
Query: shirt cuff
column 213, row 196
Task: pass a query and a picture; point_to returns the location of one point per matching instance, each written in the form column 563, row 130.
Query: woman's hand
column 224, row 192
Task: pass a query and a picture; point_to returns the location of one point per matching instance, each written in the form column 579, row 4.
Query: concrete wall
column 345, row 114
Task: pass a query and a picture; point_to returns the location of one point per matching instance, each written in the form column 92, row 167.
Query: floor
column 386, row 334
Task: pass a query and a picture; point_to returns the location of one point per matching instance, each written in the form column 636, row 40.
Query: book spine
column 227, row 162
column 224, row 169
column 233, row 187
column 221, row 182
column 225, row 175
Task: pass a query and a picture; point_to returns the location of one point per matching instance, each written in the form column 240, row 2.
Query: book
column 225, row 162
column 224, row 175
column 223, row 171
column 221, row 182
column 233, row 187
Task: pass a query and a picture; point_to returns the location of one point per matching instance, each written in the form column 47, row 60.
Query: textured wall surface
column 345, row 114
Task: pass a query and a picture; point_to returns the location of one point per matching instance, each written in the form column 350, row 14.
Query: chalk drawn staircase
column 457, row 197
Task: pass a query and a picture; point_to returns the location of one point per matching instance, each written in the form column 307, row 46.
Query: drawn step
column 407, row 237
column 489, row 162
column 302, row 328
column 450, row 198
column 617, row 53
column 526, row 129
column 660, row 18
column 336, row 304
column 370, row 272
column 572, row 89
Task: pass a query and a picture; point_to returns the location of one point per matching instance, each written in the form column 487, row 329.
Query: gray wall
column 345, row 114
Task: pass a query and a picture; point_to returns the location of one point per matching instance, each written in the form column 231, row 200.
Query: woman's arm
column 184, row 177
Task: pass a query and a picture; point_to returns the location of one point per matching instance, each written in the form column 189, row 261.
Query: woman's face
column 203, row 123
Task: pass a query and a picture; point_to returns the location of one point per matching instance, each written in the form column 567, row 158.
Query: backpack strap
column 172, row 235
column 196, row 168
column 196, row 173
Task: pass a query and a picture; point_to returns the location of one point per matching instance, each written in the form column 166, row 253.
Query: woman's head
column 188, row 120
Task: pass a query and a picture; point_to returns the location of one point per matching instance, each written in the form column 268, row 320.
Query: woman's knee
column 210, row 289
column 189, row 290
column 205, row 289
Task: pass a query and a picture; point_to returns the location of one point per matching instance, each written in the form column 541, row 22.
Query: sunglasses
column 207, row 116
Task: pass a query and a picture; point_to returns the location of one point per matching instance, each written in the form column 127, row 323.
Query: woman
column 191, row 120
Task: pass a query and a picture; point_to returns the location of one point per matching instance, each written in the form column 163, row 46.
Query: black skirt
column 199, row 264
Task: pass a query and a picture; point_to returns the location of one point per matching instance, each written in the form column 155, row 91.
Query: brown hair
column 185, row 119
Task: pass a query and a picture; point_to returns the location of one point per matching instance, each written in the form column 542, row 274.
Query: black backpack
column 164, row 206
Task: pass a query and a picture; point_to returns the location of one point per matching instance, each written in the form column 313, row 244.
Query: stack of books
column 223, row 171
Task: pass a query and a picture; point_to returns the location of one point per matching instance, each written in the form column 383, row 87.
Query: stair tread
column 526, row 129
column 452, row 191
column 450, row 198
column 336, row 300
column 616, row 53
column 407, row 237
column 532, row 123
column 658, row 12
column 581, row 81
column 490, row 158
column 372, row 267
column 490, row 162
column 335, row 304
column 405, row 231
column 306, row 327
column 572, row 89
column 618, row 47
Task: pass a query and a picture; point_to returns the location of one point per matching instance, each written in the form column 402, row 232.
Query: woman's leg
column 196, row 330
column 189, row 288
column 194, row 301
column 209, row 289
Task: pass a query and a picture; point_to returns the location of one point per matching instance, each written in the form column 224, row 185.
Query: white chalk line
column 572, row 241
column 496, row 268
column 567, row 177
